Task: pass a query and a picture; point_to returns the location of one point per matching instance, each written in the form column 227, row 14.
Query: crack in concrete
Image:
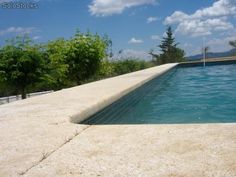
column 46, row 155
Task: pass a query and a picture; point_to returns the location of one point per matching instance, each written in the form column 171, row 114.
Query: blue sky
column 135, row 26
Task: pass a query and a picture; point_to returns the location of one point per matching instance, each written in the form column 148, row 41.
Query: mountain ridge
column 213, row 55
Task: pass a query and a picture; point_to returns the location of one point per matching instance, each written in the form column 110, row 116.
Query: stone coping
column 184, row 150
column 31, row 130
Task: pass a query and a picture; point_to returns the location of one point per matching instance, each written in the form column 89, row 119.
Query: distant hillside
column 213, row 55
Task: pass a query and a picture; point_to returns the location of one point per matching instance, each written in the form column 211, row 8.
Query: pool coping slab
column 187, row 150
column 32, row 130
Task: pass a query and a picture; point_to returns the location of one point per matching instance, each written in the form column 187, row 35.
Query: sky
column 135, row 26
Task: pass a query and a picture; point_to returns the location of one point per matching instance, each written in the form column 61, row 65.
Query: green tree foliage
column 114, row 68
column 170, row 53
column 106, row 69
column 85, row 54
column 56, row 76
column 21, row 64
column 26, row 67
column 129, row 65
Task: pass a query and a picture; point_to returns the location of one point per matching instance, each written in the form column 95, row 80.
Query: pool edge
column 85, row 114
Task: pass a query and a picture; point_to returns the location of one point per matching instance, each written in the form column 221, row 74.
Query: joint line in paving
column 46, row 155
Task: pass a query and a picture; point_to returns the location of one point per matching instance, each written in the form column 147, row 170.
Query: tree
column 85, row 54
column 56, row 76
column 154, row 56
column 206, row 51
column 106, row 69
column 128, row 65
column 232, row 43
column 170, row 53
column 21, row 64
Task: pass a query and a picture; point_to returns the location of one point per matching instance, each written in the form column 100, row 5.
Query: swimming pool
column 182, row 95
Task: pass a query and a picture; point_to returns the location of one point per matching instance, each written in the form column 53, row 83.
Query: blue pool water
column 182, row 95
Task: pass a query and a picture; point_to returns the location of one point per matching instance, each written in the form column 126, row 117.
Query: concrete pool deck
column 38, row 138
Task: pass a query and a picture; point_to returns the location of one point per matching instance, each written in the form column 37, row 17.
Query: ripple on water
column 184, row 95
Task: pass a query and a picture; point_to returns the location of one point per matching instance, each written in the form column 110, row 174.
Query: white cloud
column 155, row 37
column 152, row 19
column 17, row 30
column 195, row 51
column 36, row 38
column 110, row 7
column 130, row 53
column 189, row 48
column 220, row 44
column 176, row 17
column 187, row 45
column 135, row 41
column 204, row 21
column 198, row 27
column 218, row 9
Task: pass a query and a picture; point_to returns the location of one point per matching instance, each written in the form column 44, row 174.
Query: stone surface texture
column 39, row 137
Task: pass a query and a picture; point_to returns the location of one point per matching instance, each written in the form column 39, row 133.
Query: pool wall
column 37, row 130
column 41, row 125
column 126, row 102
column 112, row 114
column 117, row 87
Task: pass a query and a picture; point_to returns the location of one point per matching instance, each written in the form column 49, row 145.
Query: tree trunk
column 23, row 93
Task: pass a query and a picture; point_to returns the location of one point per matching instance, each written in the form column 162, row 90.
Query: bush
column 61, row 63
column 56, row 76
column 129, row 65
column 85, row 55
column 21, row 65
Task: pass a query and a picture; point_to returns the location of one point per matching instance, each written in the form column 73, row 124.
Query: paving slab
column 34, row 129
column 204, row 150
